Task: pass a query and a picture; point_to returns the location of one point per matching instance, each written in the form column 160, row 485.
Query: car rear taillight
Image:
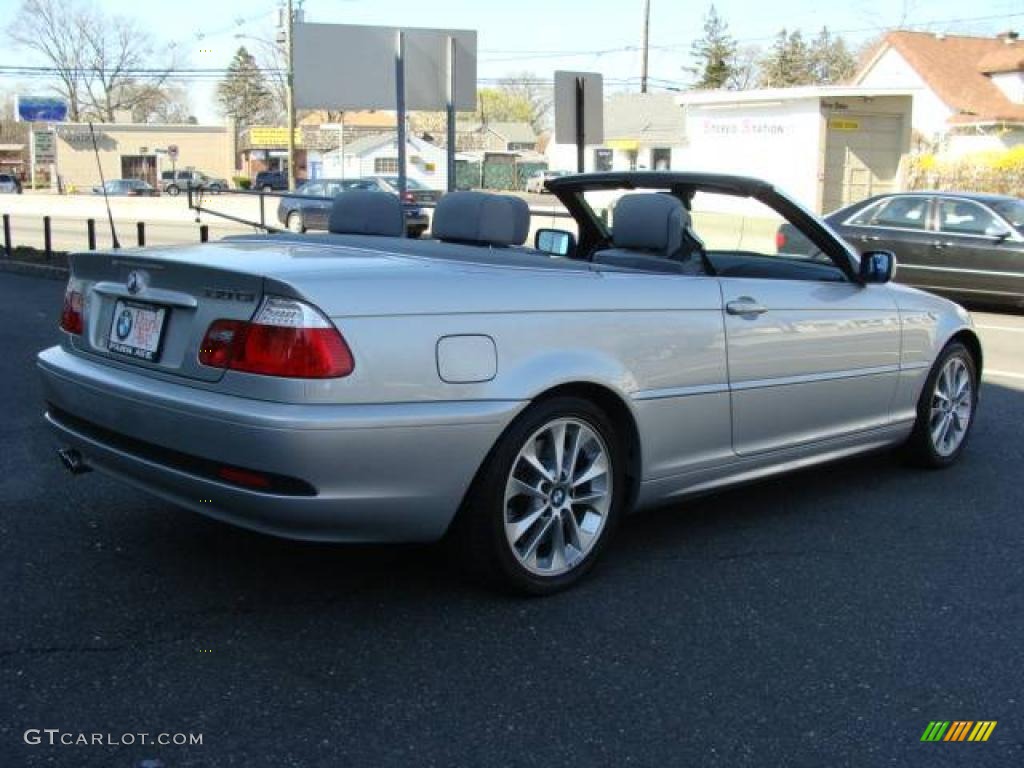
column 408, row 197
column 780, row 240
column 71, row 314
column 286, row 338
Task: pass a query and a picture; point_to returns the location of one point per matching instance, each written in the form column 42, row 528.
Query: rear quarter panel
column 657, row 342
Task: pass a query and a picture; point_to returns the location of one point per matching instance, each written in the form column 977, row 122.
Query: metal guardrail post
column 47, row 239
column 7, row 236
column 90, row 233
column 140, row 229
column 204, row 233
column 263, row 210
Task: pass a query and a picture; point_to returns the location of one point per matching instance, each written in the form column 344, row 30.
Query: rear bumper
column 394, row 472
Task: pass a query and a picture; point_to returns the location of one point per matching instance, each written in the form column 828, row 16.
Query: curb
column 47, row 271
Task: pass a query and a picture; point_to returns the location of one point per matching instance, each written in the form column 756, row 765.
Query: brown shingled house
column 968, row 91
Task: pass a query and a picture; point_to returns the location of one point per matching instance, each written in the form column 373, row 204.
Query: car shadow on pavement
column 834, row 510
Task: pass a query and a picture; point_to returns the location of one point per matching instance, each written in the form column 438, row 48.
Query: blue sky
column 534, row 34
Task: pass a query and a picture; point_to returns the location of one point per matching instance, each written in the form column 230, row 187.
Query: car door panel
column 817, row 360
column 970, row 263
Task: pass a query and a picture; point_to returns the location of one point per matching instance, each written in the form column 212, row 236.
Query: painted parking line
column 1002, row 374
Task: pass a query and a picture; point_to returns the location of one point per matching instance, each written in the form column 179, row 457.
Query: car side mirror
column 877, row 267
column 556, row 242
column 997, row 232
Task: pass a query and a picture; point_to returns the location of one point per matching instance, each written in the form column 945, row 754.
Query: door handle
column 869, row 238
column 745, row 306
column 943, row 244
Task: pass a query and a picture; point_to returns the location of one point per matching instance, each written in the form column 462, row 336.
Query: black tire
column 920, row 448
column 173, row 190
column 267, row 188
column 294, row 222
column 478, row 533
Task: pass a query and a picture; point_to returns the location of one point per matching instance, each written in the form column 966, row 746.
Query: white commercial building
column 825, row 146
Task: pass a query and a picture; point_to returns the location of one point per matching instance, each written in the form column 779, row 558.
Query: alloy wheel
column 951, row 407
column 558, row 496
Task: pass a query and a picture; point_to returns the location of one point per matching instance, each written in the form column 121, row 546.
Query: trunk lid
column 156, row 310
column 181, row 290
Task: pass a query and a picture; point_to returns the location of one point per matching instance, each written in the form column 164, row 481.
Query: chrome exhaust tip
column 73, row 461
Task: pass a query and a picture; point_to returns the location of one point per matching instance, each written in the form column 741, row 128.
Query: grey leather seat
column 481, row 218
column 653, row 233
column 362, row 212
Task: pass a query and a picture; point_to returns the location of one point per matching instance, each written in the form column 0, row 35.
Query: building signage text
column 746, row 127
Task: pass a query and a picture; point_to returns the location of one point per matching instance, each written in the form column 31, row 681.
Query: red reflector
column 243, row 477
column 71, row 314
column 220, row 338
column 780, row 240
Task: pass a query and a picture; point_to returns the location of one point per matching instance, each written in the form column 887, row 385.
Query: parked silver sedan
column 360, row 386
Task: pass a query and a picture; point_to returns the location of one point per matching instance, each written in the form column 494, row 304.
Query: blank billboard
column 345, row 66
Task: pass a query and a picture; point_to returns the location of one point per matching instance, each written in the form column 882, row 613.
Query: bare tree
column 55, row 29
column 273, row 61
column 527, row 89
column 117, row 52
column 169, row 104
column 745, row 68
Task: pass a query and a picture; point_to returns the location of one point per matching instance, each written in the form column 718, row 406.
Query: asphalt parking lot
column 819, row 619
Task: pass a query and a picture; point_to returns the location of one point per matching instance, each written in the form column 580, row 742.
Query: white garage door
column 862, row 157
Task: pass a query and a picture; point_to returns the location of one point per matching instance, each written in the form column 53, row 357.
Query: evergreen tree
column 243, row 93
column 715, row 53
column 788, row 63
column 831, row 60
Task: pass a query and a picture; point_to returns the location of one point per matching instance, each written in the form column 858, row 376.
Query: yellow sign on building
column 265, row 136
column 837, row 124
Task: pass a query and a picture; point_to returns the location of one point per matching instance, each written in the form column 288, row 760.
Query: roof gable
column 954, row 68
column 650, row 118
column 513, row 133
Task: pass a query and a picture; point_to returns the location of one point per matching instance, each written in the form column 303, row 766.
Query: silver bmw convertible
column 355, row 385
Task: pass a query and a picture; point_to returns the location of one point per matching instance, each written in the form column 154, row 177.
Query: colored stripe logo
column 959, row 730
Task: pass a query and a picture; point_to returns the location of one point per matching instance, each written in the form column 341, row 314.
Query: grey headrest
column 480, row 217
column 365, row 212
column 649, row 222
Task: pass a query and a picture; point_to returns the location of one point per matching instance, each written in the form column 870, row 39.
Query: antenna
column 103, row 186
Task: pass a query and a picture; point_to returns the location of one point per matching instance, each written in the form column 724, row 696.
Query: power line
column 571, row 53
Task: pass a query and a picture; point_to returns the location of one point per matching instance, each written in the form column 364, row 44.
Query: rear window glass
column 1012, row 211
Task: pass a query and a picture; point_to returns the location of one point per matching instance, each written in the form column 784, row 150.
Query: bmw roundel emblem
column 124, row 324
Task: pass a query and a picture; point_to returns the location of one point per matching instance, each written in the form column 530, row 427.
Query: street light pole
column 290, row 28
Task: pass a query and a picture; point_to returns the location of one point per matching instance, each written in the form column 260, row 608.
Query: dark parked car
column 175, row 182
column 966, row 245
column 126, row 188
column 10, row 183
column 299, row 214
column 270, row 181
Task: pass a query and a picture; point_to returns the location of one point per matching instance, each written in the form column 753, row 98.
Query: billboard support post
column 450, row 152
column 291, row 97
column 580, row 126
column 400, row 107
column 32, row 157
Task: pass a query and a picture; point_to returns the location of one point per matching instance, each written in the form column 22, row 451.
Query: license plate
column 136, row 330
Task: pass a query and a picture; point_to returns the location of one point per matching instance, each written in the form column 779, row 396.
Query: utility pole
column 645, row 47
column 290, row 29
